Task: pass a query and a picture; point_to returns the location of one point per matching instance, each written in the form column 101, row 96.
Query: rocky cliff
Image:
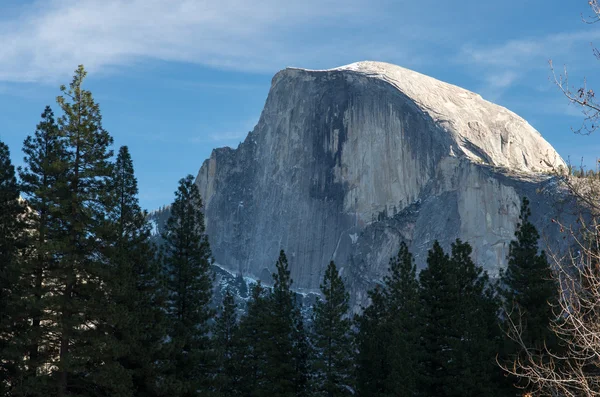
column 346, row 163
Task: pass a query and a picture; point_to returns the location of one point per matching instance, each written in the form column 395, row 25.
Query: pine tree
column 460, row 336
column 189, row 283
column 44, row 183
column 404, row 315
column 252, row 347
column 79, row 300
column 528, row 290
column 528, row 286
column 333, row 366
column 11, row 231
column 137, row 297
column 390, row 354
column 281, row 371
column 372, row 359
column 274, row 360
column 438, row 311
column 225, row 337
column 302, row 351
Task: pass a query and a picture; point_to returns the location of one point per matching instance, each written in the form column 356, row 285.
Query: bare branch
column 595, row 17
column 576, row 372
column 582, row 96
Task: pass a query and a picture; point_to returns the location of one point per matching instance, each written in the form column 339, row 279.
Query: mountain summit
column 479, row 130
column 346, row 163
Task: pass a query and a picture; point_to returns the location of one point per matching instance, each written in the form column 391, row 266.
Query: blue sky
column 177, row 78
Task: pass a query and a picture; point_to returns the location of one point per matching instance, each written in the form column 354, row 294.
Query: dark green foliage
column 281, row 371
column 460, row 336
column 405, row 323
column 528, row 290
column 11, row 233
column 66, row 186
column 225, row 338
column 390, row 354
column 189, row 284
column 372, row 361
column 137, row 296
column 252, row 337
column 274, row 359
column 86, row 353
column 44, row 183
column 435, row 283
column 302, row 352
column 528, row 285
column 333, row 367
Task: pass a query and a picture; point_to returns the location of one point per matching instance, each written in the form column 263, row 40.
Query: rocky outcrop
column 346, row 163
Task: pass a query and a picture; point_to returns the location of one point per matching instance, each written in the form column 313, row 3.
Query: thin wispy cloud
column 507, row 63
column 50, row 37
column 502, row 79
column 520, row 63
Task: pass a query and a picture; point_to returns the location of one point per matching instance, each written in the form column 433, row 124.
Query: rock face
column 346, row 163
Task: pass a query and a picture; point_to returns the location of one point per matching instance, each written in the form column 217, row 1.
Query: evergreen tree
column 137, row 297
column 252, row 347
column 372, row 340
column 11, row 228
column 302, row 351
column 225, row 337
column 44, row 183
column 390, row 354
column 274, row 360
column 332, row 338
column 438, row 311
column 528, row 290
column 78, row 300
column 460, row 336
column 404, row 315
column 189, row 284
column 281, row 373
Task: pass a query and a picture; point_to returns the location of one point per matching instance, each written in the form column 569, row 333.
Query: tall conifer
column 389, row 347
column 302, row 352
column 528, row 291
column 460, row 336
column 253, row 345
column 281, row 371
column 11, row 231
column 85, row 362
column 332, row 338
column 226, row 345
column 189, row 284
column 373, row 366
column 44, row 182
column 274, row 360
column 404, row 315
column 137, row 296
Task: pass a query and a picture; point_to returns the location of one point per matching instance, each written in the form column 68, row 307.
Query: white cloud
column 51, row 37
column 502, row 79
column 525, row 61
column 514, row 52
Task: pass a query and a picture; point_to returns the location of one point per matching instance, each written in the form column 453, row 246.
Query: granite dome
column 483, row 131
column 346, row 163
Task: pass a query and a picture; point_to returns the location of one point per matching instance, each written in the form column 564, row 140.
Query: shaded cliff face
column 346, row 163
